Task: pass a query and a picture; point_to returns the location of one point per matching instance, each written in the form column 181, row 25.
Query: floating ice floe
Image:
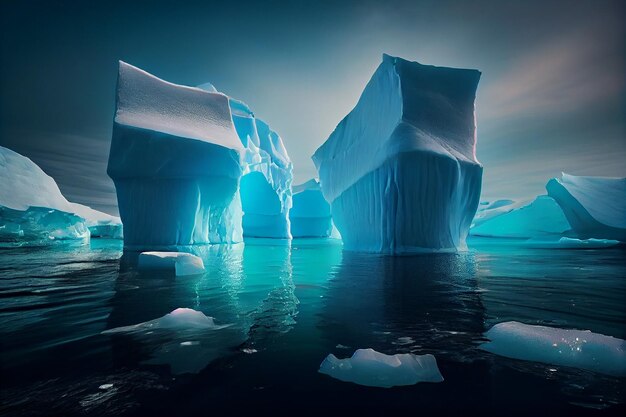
column 310, row 214
column 374, row 369
column 178, row 262
column 400, row 170
column 594, row 206
column 575, row 348
column 179, row 319
column 33, row 210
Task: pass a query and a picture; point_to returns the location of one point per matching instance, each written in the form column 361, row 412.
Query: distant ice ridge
column 179, row 262
column 265, row 187
column 400, row 170
column 594, row 206
column 576, row 348
column 374, row 369
column 176, row 162
column 33, row 210
column 541, row 218
column 310, row 215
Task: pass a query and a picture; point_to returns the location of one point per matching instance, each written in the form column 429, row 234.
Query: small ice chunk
column 182, row 263
column 576, row 348
column 179, row 319
column 105, row 386
column 374, row 369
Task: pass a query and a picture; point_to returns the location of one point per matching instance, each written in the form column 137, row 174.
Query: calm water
column 290, row 306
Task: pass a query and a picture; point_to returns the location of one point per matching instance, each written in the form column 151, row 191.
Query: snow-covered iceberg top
column 576, row 348
column 594, row 206
column 179, row 262
column 374, row 369
column 406, row 106
column 148, row 102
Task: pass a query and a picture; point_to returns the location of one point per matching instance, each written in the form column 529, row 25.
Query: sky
column 551, row 97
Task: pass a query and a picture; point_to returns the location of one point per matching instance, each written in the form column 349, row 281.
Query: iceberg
column 400, row 170
column 575, row 348
column 310, row 213
column 179, row 262
column 176, row 162
column 541, row 217
column 594, row 206
column 33, row 210
column 265, row 187
column 374, row 369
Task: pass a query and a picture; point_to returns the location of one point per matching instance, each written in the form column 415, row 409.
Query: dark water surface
column 290, row 306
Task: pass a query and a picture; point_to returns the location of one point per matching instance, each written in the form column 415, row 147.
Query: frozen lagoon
column 289, row 306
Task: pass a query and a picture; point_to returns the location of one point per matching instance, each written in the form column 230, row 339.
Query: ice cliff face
column 33, row 210
column 594, row 206
column 400, row 170
column 310, row 215
column 176, row 161
column 265, row 187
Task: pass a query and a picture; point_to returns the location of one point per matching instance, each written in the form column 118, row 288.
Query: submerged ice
column 400, row 170
column 374, row 369
column 574, row 348
column 179, row 319
column 33, row 210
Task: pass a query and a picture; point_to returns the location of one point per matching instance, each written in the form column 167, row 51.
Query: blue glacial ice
column 540, row 218
column 575, row 348
column 176, row 161
column 594, row 206
column 400, row 170
column 33, row 210
column 374, row 369
column 265, row 187
column 178, row 262
column 310, row 214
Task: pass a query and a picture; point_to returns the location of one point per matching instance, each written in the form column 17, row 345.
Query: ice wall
column 400, row 170
column 310, row 215
column 176, row 162
column 594, row 206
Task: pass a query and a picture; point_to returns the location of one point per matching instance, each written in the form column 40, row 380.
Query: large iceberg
column 32, row 208
column 541, row 218
column 265, row 187
column 575, row 348
column 310, row 215
column 400, row 170
column 594, row 206
column 176, row 162
column 374, row 369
